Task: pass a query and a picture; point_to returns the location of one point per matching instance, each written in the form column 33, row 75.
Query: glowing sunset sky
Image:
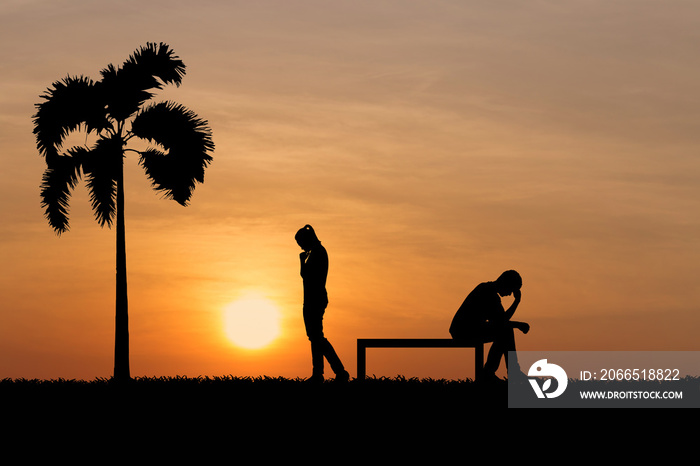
column 431, row 144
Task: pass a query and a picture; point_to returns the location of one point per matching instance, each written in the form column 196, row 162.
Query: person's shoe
column 342, row 376
column 315, row 379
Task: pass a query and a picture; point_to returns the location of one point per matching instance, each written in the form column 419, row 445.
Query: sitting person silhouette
column 314, row 271
column 481, row 317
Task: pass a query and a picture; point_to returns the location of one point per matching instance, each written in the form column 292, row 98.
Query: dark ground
column 240, row 420
column 270, row 420
column 267, row 398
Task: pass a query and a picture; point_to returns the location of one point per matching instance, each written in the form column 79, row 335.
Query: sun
column 252, row 321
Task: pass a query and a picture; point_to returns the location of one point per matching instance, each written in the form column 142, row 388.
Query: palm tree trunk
column 121, row 337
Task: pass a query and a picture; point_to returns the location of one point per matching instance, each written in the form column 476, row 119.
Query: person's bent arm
column 511, row 310
column 522, row 326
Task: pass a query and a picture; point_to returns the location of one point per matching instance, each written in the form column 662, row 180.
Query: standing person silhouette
column 481, row 317
column 314, row 271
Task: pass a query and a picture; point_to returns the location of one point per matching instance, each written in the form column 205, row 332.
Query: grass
column 251, row 397
column 274, row 398
column 161, row 419
column 262, row 416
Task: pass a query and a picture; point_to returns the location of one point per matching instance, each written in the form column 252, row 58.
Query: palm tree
column 113, row 109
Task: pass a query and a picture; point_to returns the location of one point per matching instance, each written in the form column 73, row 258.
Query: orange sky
column 431, row 144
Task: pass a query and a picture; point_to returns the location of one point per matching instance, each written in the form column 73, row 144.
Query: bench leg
column 478, row 361
column 361, row 362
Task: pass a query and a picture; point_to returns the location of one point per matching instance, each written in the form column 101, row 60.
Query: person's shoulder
column 320, row 250
column 485, row 290
column 485, row 287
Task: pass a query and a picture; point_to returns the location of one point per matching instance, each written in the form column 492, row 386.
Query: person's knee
column 317, row 338
column 467, row 336
column 314, row 331
column 502, row 334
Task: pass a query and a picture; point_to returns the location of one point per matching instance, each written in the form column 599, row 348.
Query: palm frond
column 59, row 179
column 101, row 167
column 158, row 61
column 67, row 105
column 127, row 87
column 124, row 92
column 187, row 140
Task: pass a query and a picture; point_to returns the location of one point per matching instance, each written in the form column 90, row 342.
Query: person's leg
column 320, row 346
column 313, row 321
column 503, row 341
column 474, row 336
column 512, row 364
column 333, row 359
column 503, row 338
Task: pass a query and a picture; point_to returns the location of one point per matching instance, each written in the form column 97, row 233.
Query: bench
column 364, row 343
